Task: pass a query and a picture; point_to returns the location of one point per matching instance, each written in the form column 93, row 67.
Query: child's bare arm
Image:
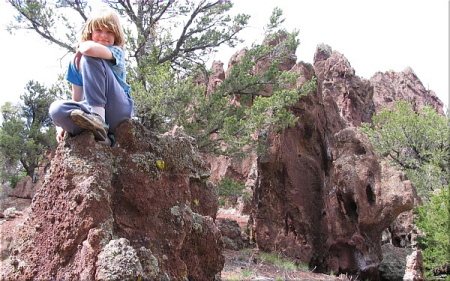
column 77, row 93
column 92, row 49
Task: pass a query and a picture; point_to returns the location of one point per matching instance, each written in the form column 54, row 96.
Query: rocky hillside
column 146, row 208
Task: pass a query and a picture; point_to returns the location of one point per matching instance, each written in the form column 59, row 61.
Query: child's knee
column 87, row 60
column 56, row 110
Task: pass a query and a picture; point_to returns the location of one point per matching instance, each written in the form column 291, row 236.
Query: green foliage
column 14, row 179
column 180, row 32
column 164, row 99
column 275, row 19
column 278, row 261
column 418, row 143
column 247, row 273
column 26, row 132
column 236, row 117
column 230, row 188
column 434, row 221
column 244, row 110
column 247, row 197
column 222, row 201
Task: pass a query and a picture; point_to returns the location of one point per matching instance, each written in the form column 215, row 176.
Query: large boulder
column 25, row 188
column 401, row 264
column 112, row 213
column 232, row 236
column 323, row 196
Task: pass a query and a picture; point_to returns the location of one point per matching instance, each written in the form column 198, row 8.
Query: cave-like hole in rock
column 351, row 208
column 371, row 197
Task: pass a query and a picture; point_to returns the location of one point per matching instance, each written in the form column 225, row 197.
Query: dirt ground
column 246, row 265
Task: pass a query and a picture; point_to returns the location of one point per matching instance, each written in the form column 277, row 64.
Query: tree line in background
column 168, row 43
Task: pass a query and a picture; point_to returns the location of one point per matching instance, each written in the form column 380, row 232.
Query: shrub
column 230, row 188
column 434, row 221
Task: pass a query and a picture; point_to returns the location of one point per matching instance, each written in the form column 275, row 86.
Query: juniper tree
column 26, row 131
column 416, row 142
column 214, row 120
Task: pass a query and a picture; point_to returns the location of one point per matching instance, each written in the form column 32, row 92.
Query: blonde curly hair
column 103, row 18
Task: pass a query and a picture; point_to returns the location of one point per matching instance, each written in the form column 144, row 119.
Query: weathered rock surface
column 232, row 236
column 414, row 267
column 401, row 264
column 393, row 265
column 25, row 188
column 392, row 86
column 343, row 94
column 323, row 196
column 110, row 213
column 403, row 232
column 12, row 202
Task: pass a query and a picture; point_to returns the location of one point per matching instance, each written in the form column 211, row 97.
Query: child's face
column 103, row 36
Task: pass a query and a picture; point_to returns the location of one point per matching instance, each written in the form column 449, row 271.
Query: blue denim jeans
column 100, row 88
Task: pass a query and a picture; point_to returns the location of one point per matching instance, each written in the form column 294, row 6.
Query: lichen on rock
column 106, row 213
column 118, row 261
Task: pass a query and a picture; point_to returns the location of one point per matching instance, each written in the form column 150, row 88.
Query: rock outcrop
column 414, row 267
column 322, row 196
column 401, row 264
column 112, row 214
column 392, row 86
column 25, row 188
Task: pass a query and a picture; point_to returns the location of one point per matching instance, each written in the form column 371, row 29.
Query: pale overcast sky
column 374, row 36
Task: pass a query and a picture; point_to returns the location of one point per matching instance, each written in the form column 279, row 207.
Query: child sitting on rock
column 100, row 97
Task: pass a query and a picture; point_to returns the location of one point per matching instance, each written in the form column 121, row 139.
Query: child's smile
column 103, row 36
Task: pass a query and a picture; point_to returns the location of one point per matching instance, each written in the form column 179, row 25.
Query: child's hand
column 60, row 134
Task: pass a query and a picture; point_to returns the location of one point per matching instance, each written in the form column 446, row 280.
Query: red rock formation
column 232, row 236
column 392, row 86
column 216, row 77
column 110, row 213
column 323, row 196
column 25, row 188
column 339, row 87
column 414, row 267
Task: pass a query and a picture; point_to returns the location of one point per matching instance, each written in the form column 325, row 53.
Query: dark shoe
column 92, row 122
